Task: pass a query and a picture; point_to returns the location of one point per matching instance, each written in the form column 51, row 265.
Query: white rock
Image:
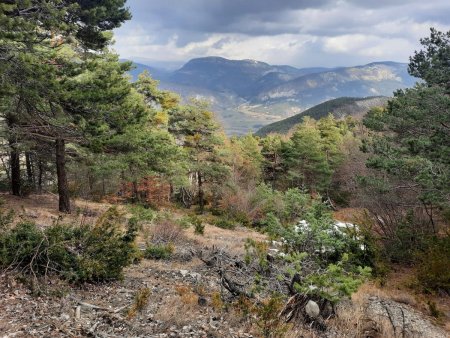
column 196, row 276
column 65, row 316
column 312, row 309
column 78, row 312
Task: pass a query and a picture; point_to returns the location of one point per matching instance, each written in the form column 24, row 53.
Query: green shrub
column 142, row 213
column 328, row 261
column 225, row 224
column 249, row 207
column 434, row 265
column 199, row 227
column 107, row 248
column 23, row 246
column 185, row 222
column 269, row 324
column 216, row 211
column 408, row 237
column 78, row 254
column 271, row 225
column 159, row 251
column 242, row 218
column 296, row 203
column 335, row 282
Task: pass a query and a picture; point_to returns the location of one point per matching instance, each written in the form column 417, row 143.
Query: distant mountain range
column 248, row 94
column 341, row 107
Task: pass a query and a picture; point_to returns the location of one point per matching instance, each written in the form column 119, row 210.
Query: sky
column 301, row 33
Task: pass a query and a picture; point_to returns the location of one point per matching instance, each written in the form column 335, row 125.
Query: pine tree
column 272, row 153
column 432, row 63
column 245, row 154
column 413, row 141
column 40, row 58
column 304, row 159
column 195, row 128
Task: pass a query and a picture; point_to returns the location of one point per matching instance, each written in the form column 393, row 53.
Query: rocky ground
column 183, row 301
column 179, row 305
column 181, row 297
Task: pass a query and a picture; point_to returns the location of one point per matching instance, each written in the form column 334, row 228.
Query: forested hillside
column 126, row 211
column 339, row 108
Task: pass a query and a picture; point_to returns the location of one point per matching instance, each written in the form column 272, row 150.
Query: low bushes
column 314, row 256
column 142, row 213
column 192, row 221
column 84, row 253
column 199, row 227
column 407, row 238
column 434, row 265
column 165, row 231
column 225, row 224
column 159, row 251
column 250, row 207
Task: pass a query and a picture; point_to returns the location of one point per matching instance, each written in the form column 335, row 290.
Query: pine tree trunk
column 28, row 162
column 15, row 171
column 63, row 189
column 135, row 197
column 40, row 175
column 90, row 183
column 14, row 157
column 201, row 193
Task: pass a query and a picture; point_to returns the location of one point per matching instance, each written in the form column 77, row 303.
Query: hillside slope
column 374, row 79
column 241, row 77
column 341, row 107
column 248, row 94
column 184, row 284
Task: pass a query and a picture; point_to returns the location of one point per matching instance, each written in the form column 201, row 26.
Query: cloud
column 296, row 32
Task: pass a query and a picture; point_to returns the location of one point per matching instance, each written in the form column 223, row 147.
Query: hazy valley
column 247, row 94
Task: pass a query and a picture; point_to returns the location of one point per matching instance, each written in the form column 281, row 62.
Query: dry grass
column 231, row 240
column 187, row 295
column 185, row 303
column 140, row 302
column 303, row 332
column 216, row 301
column 43, row 209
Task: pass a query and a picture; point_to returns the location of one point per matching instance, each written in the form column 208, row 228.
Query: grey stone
column 196, row 276
column 65, row 316
column 402, row 318
column 312, row 309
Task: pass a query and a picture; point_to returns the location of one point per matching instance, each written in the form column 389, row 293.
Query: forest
column 331, row 206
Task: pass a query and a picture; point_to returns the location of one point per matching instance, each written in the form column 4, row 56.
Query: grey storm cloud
column 217, row 15
column 271, row 17
column 295, row 31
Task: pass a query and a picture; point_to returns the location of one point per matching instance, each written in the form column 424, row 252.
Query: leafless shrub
column 165, row 231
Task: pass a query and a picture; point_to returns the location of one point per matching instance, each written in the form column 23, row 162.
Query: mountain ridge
column 340, row 108
column 248, row 94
